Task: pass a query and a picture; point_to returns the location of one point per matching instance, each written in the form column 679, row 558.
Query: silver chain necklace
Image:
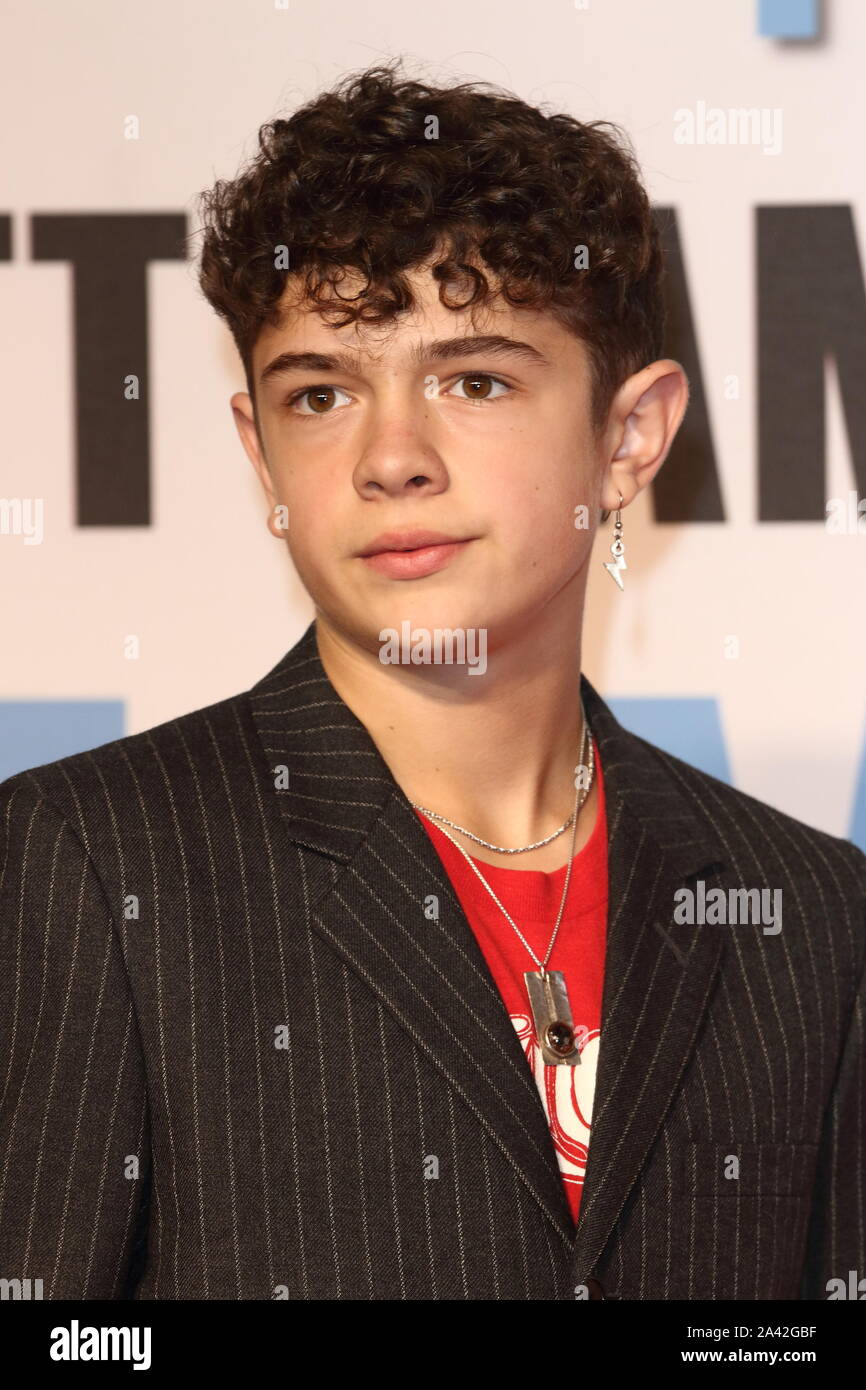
column 499, row 849
column 503, row 849
column 548, row 995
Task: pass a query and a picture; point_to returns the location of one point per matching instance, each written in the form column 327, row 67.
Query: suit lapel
column 378, row 915
column 658, row 975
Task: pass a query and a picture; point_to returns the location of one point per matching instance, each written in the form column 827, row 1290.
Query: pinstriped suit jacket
column 239, row 1062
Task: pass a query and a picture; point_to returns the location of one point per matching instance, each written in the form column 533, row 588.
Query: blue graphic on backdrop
column 788, row 19
column 33, row 732
column 689, row 728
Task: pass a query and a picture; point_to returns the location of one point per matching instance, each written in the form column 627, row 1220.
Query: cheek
column 539, row 521
column 314, row 516
column 306, row 543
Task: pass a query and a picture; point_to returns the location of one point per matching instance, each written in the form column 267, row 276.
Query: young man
column 378, row 980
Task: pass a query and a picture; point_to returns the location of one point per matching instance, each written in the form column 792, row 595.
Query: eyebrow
column 492, row 345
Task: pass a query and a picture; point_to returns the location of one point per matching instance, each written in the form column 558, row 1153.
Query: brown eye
column 321, row 398
column 479, row 386
column 318, row 400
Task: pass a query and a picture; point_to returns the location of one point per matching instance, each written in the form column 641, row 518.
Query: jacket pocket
column 766, row 1170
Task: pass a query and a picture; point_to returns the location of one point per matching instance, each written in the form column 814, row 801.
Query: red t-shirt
column 532, row 898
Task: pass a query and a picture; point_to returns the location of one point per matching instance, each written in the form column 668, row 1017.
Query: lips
column 412, row 554
column 390, row 541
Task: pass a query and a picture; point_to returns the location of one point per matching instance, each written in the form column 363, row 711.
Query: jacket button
column 595, row 1288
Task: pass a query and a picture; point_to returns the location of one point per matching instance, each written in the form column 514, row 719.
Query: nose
column 398, row 459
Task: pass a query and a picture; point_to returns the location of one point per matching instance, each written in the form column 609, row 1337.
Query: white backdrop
column 205, row 588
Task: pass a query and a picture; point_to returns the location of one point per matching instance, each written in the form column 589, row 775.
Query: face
column 456, row 446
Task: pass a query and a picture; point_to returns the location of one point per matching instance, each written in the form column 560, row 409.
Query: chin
column 427, row 611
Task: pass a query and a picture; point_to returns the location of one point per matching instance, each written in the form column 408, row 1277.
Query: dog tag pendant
column 554, row 1025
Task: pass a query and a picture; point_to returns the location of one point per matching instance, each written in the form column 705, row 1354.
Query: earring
column 617, row 550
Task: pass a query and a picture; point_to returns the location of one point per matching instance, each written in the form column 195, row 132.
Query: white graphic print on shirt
column 566, row 1094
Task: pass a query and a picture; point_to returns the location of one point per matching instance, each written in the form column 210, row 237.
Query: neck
column 494, row 753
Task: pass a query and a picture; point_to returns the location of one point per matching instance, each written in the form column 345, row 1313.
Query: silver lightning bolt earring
column 615, row 566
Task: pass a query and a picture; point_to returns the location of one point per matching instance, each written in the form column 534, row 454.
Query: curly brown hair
column 382, row 173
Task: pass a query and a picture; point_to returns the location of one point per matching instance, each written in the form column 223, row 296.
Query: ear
column 245, row 421
column 645, row 415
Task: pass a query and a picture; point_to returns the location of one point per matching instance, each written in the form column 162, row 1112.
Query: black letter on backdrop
column 109, row 253
column 811, row 305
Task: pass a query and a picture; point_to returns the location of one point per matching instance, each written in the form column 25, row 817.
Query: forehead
column 301, row 326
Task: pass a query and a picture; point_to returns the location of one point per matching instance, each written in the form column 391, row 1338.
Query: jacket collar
column 343, row 803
